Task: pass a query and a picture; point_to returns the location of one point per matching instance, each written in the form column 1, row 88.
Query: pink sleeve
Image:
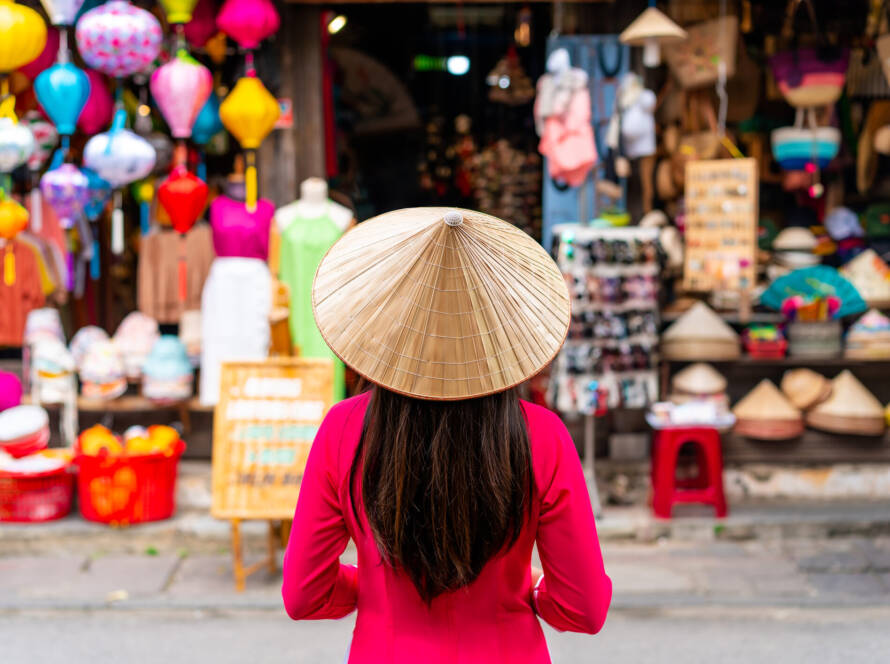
column 575, row 592
column 315, row 584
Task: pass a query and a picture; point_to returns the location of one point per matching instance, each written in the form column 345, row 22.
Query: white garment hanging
column 235, row 307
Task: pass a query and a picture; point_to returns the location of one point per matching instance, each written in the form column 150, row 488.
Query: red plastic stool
column 706, row 488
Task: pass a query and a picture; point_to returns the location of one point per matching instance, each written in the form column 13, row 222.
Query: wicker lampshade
column 441, row 304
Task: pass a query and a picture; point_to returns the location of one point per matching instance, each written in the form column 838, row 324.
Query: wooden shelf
column 748, row 361
column 129, row 404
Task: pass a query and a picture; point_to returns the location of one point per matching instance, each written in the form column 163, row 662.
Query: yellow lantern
column 250, row 113
column 13, row 220
column 179, row 11
column 22, row 35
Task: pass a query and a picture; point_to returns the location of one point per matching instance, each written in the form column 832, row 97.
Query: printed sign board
column 267, row 416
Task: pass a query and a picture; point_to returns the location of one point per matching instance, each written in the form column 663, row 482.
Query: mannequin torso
column 314, row 203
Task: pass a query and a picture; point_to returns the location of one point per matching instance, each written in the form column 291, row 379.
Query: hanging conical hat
column 851, row 408
column 700, row 322
column 765, row 402
column 871, row 277
column 795, row 239
column 441, row 304
column 652, row 24
column 805, row 388
column 699, row 378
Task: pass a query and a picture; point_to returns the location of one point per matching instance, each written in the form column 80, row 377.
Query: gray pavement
column 789, row 601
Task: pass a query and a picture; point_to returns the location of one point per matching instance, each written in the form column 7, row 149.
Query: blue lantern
column 100, row 192
column 62, row 91
column 207, row 124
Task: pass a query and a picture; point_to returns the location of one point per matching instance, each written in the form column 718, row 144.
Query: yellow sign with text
column 267, row 416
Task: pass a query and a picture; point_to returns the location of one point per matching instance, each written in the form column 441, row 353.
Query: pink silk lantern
column 180, row 89
column 96, row 114
column 203, row 24
column 46, row 58
column 118, row 39
column 248, row 22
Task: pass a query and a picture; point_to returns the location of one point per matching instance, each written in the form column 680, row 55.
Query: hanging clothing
column 562, row 119
column 158, row 273
column 632, row 127
column 239, row 232
column 235, row 308
column 18, row 299
column 304, row 242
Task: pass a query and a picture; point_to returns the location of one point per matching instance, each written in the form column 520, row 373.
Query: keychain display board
column 721, row 225
column 267, row 416
column 605, row 60
column 614, row 277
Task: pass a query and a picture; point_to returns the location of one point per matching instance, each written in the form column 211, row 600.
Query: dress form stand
column 306, row 229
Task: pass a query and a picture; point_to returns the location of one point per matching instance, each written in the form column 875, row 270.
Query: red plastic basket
column 36, row 497
column 122, row 490
column 767, row 350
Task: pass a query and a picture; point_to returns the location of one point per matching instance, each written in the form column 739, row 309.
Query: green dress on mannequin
column 304, row 242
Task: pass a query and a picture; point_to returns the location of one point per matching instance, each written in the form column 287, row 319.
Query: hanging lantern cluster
column 117, row 41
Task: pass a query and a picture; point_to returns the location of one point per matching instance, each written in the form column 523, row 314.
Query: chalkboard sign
column 721, row 225
column 267, row 416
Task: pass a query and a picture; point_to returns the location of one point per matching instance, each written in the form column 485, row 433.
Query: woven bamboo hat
column 441, row 304
column 699, row 378
column 765, row 414
column 805, row 388
column 851, row 408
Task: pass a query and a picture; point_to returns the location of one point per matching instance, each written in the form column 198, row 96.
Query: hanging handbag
column 695, row 61
column 809, row 77
column 797, row 146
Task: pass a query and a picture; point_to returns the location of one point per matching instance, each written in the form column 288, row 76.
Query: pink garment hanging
column 237, row 232
column 567, row 140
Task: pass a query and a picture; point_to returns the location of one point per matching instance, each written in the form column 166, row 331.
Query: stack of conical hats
column 805, row 388
column 700, row 334
column 851, row 409
column 869, row 337
column 871, row 276
column 698, row 381
column 766, row 414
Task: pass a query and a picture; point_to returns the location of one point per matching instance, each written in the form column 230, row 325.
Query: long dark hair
column 445, row 485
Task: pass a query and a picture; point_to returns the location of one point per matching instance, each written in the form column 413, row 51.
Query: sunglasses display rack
column 613, row 275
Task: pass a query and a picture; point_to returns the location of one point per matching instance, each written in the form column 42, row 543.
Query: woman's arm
column 315, row 584
column 575, row 592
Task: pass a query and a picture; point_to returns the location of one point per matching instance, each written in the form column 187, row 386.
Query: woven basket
column 857, row 426
column 814, row 340
column 769, row 429
column 715, row 351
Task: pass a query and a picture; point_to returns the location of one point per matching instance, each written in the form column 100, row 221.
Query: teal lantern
column 62, row 91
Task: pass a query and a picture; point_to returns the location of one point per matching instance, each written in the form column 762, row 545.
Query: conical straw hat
column 699, row 378
column 805, row 388
column 765, row 402
column 441, row 304
column 849, row 398
column 700, row 322
column 871, row 276
column 652, row 24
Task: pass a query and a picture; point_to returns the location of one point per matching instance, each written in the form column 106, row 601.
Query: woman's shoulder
column 345, row 413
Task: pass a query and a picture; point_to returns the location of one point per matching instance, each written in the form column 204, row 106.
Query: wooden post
column 237, row 560
column 270, row 563
column 589, row 458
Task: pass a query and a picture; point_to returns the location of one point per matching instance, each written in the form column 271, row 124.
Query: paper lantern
column 67, row 191
column 119, row 156
column 99, row 191
column 13, row 220
column 248, row 22
column 63, row 91
column 249, row 113
column 45, row 139
column 46, row 58
column 178, row 11
column 184, row 197
column 16, row 143
column 180, row 89
column 22, row 35
column 97, row 112
column 118, row 39
column 207, row 124
column 203, row 24
column 62, row 12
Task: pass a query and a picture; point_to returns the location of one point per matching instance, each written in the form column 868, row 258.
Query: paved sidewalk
column 793, row 573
